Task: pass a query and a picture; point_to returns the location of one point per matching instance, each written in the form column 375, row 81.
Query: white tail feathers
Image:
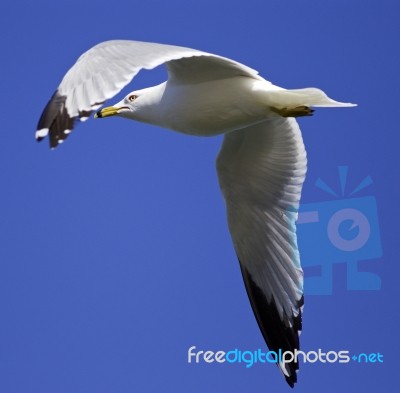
column 309, row 96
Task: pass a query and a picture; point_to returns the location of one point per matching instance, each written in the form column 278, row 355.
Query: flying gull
column 261, row 166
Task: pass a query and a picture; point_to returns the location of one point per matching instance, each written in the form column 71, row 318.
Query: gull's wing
column 261, row 171
column 105, row 69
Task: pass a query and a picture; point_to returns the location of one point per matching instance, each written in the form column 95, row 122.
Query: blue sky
column 115, row 255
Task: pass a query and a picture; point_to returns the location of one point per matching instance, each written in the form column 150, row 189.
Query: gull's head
column 138, row 105
column 125, row 108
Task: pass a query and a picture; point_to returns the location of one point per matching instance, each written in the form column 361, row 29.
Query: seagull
column 261, row 166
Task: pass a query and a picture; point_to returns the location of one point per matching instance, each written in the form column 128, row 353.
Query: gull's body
column 234, row 102
column 261, row 165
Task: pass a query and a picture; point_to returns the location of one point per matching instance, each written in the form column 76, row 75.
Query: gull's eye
column 132, row 98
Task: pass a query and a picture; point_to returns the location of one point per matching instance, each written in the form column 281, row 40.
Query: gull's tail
column 309, row 96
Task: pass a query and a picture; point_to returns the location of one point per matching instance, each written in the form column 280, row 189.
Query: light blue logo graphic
column 343, row 230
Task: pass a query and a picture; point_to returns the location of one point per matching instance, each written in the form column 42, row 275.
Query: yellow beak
column 106, row 112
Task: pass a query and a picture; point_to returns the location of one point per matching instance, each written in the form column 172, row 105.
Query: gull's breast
column 213, row 107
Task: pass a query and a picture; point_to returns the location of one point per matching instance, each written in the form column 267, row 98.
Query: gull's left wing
column 104, row 70
column 261, row 171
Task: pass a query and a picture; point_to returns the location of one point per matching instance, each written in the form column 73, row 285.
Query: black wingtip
column 278, row 334
column 56, row 122
column 290, row 381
